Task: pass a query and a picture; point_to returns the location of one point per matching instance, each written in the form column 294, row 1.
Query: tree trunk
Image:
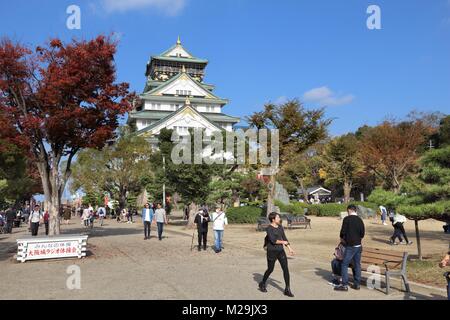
column 419, row 248
column 122, row 199
column 347, row 190
column 302, row 187
column 51, row 186
column 193, row 208
column 271, row 195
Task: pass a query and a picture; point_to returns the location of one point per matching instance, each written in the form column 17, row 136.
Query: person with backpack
column 147, row 218
column 34, row 220
column 219, row 220
column 201, row 220
column 352, row 233
column 101, row 212
column 274, row 243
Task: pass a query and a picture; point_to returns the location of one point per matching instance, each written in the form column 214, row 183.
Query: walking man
column 274, row 243
column 352, row 233
column 202, row 220
column 219, row 220
column 35, row 218
column 147, row 218
column 161, row 219
column 10, row 215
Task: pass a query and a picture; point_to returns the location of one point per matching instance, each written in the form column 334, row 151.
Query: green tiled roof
column 180, row 59
column 148, row 94
column 156, row 83
column 172, row 114
column 157, row 115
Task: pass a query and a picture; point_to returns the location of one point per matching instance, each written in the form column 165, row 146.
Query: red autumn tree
column 61, row 98
column 390, row 150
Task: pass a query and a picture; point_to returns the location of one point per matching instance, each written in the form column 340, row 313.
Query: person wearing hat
column 201, row 220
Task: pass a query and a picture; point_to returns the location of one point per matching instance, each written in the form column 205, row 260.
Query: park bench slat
column 385, row 252
column 382, row 257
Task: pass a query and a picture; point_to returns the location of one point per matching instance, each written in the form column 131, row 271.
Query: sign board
column 56, row 247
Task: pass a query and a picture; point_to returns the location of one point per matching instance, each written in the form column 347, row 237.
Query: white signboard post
column 56, row 247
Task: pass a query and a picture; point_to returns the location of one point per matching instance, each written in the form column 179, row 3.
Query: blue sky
column 260, row 50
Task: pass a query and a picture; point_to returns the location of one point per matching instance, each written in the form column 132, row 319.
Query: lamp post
column 164, row 182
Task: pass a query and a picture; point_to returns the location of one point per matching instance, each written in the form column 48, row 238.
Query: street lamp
column 164, row 182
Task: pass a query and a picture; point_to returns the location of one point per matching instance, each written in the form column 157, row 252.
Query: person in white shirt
column 219, row 220
column 383, row 215
column 147, row 218
column 86, row 216
column 161, row 219
column 35, row 217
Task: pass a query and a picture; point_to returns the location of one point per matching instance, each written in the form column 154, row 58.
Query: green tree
column 120, row 169
column 425, row 196
column 342, row 164
column 298, row 127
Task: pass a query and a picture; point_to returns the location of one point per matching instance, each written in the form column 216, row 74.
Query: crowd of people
column 347, row 254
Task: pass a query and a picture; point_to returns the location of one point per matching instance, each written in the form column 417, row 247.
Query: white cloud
column 170, row 7
column 281, row 100
column 325, row 97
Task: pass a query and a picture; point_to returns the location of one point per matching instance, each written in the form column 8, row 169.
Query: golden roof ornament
column 178, row 41
column 183, row 69
column 187, row 102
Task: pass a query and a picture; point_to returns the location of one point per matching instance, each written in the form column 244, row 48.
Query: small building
column 316, row 193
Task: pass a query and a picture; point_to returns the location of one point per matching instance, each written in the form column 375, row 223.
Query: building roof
column 175, row 78
column 156, row 83
column 171, row 115
column 180, row 59
column 315, row 189
column 156, row 115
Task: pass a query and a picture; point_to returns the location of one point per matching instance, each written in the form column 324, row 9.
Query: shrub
column 246, row 214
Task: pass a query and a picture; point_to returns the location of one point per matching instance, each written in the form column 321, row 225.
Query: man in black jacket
column 352, row 232
column 201, row 220
column 10, row 216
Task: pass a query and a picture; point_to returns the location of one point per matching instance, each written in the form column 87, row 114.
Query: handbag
column 339, row 252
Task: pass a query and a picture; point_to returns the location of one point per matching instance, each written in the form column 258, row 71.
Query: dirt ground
column 121, row 265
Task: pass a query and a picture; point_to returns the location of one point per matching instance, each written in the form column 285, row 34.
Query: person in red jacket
column 46, row 218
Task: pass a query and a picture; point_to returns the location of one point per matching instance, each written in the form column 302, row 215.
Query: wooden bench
column 298, row 221
column 391, row 263
column 263, row 223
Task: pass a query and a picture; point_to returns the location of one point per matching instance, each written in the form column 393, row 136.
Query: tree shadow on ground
column 257, row 277
column 7, row 250
column 103, row 231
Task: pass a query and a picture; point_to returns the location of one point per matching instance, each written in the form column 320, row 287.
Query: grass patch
column 427, row 271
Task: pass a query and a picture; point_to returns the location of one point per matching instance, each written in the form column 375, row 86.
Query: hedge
column 246, row 214
column 320, row 210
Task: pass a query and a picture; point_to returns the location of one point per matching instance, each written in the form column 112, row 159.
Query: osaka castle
column 176, row 97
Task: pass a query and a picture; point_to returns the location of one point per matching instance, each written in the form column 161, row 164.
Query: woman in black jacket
column 274, row 242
